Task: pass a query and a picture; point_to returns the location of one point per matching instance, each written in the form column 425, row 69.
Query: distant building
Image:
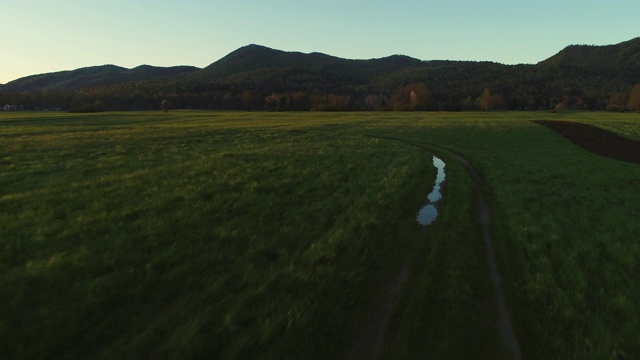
column 13, row 107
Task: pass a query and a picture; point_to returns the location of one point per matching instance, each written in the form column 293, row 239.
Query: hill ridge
column 624, row 54
column 258, row 77
column 255, row 57
column 92, row 76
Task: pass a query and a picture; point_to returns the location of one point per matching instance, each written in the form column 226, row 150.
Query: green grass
column 566, row 225
column 449, row 309
column 267, row 235
column 193, row 234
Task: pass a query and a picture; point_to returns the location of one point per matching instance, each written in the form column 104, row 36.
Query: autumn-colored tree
column 420, row 97
column 337, row 102
column 300, row 101
column 488, row 101
column 485, row 99
column 617, row 102
column 413, row 97
column 634, row 99
column 374, row 102
column 572, row 102
column 247, row 100
column 316, row 101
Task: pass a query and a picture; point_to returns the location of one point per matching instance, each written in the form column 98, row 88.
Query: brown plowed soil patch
column 596, row 140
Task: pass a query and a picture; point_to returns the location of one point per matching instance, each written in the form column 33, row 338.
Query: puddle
column 429, row 212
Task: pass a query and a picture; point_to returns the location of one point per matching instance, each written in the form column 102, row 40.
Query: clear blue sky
column 40, row 36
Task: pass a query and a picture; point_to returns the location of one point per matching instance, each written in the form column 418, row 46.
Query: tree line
column 448, row 90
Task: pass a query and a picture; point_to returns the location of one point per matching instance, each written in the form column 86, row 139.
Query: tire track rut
column 504, row 324
column 370, row 340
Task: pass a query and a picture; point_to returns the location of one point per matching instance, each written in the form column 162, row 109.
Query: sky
column 41, row 36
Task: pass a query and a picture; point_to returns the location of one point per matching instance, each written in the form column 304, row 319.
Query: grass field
column 274, row 235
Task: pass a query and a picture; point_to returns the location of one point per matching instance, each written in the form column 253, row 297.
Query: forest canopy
column 259, row 78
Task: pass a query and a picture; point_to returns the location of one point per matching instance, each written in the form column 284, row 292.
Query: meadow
column 276, row 235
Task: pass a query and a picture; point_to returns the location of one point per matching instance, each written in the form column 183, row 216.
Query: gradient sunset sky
column 40, row 36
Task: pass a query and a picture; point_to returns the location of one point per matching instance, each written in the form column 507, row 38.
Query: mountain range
column 584, row 74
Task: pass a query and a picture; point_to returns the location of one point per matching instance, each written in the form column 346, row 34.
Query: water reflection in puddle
column 429, row 212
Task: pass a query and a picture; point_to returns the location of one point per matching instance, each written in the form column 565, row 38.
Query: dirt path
column 370, row 339
column 504, row 324
column 596, row 140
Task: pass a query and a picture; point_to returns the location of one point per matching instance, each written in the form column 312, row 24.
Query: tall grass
column 193, row 235
column 566, row 225
column 254, row 235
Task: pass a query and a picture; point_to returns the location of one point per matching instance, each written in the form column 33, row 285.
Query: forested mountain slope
column 255, row 77
column 94, row 76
